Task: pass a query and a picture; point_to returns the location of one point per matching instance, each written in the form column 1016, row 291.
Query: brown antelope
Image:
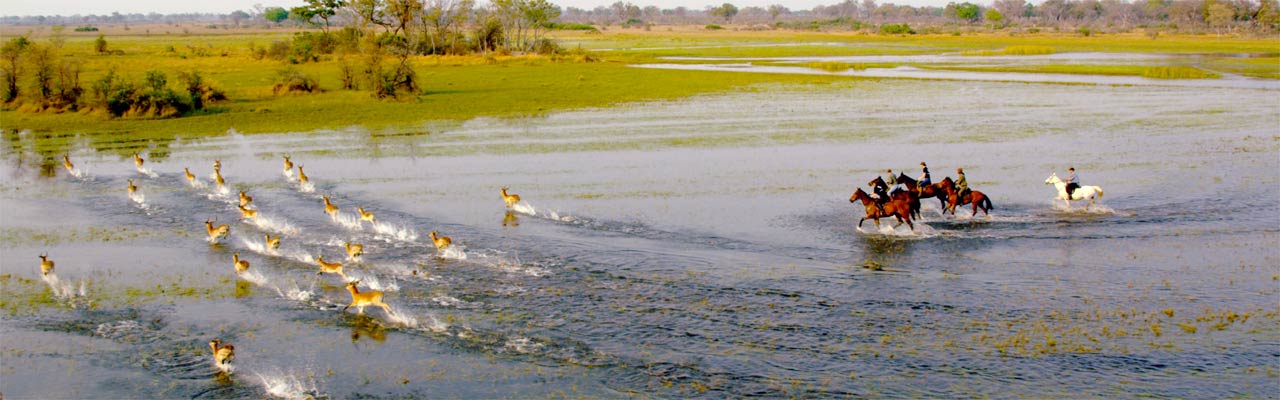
column 302, row 176
column 364, row 215
column 288, row 165
column 217, row 165
column 354, row 249
column 510, row 199
column 218, row 232
column 217, row 177
column 191, row 178
column 440, row 241
column 241, row 265
column 137, row 160
column 246, row 213
column 272, row 244
column 222, row 353
column 46, row 265
column 360, row 300
column 329, row 208
column 330, row 267
column 245, row 199
column 132, row 189
column 66, row 162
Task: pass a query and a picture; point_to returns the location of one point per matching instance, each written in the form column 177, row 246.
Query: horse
column 934, row 190
column 1090, row 193
column 899, row 194
column 978, row 199
column 894, row 208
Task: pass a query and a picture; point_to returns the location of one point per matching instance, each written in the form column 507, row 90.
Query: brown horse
column 938, row 189
column 899, row 209
column 908, row 196
column 978, row 199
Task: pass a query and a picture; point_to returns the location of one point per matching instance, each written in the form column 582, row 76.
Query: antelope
column 217, row 177
column 354, row 249
column 246, row 213
column 132, row 189
column 288, row 165
column 222, row 353
column 217, row 165
column 329, row 208
column 137, row 160
column 510, row 199
column 218, row 232
column 245, row 199
column 241, row 265
column 191, row 178
column 365, row 216
column 272, row 244
column 440, row 241
column 360, row 300
column 46, row 265
column 330, row 267
column 302, row 176
column 66, row 162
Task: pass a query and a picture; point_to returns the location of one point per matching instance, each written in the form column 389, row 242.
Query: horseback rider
column 962, row 185
column 924, row 179
column 1073, row 181
column 881, row 195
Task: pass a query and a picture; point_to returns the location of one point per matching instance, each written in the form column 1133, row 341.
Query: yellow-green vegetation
column 1012, row 51
column 1088, row 69
column 834, row 66
column 1257, row 67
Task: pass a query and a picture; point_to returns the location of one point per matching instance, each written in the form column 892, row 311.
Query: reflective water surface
column 697, row 248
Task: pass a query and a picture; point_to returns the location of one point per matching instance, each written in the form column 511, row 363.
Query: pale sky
column 84, row 7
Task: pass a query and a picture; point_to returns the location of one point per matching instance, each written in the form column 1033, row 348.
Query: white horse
column 1081, row 193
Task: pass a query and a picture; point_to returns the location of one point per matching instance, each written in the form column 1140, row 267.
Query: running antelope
column 245, row 199
column 132, row 189
column 218, row 232
column 46, row 265
column 191, row 178
column 354, row 249
column 272, row 244
column 510, row 199
column 241, row 265
column 222, row 353
column 330, row 267
column 288, row 165
column 360, row 300
column 329, row 208
column 217, row 177
column 217, row 165
column 66, row 162
column 365, row 216
column 246, row 213
column 302, row 176
column 440, row 241
column 137, row 160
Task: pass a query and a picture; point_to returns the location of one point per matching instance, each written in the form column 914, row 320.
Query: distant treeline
column 521, row 19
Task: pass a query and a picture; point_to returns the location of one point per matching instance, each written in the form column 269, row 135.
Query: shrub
column 570, row 27
column 714, row 27
column 100, row 44
column 87, row 29
column 1084, row 31
column 545, row 46
column 1178, row 72
column 896, row 29
column 293, row 81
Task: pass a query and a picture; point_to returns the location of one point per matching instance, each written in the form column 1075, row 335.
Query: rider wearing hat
column 961, row 184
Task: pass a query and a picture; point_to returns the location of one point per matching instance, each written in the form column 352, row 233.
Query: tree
column 777, row 9
column 967, row 11
column 100, row 44
column 726, row 11
column 1012, row 9
column 1219, row 16
column 993, row 15
column 14, row 53
column 237, row 16
column 275, row 14
column 323, row 9
column 1268, row 14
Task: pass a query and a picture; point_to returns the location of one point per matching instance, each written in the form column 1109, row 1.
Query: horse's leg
column 860, row 221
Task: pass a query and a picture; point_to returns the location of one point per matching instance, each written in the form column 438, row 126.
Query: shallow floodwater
column 698, row 248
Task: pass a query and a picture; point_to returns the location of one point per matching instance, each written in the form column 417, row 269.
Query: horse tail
column 987, row 200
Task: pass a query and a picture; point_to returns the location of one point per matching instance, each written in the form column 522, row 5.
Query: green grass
column 1257, row 67
column 832, row 66
column 1176, row 72
column 1012, row 51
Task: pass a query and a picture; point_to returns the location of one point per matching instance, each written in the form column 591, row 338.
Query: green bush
column 293, row 81
column 87, row 29
column 896, row 29
column 714, row 27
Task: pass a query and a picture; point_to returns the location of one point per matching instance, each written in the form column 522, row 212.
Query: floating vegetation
column 1012, row 51
column 1178, row 72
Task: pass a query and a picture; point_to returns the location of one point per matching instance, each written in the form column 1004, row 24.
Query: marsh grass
column 1088, row 69
column 834, row 66
column 1177, row 72
column 1024, row 50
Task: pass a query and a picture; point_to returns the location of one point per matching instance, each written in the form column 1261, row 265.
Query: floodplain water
column 697, row 248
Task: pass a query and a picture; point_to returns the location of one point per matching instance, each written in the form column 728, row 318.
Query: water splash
column 65, row 290
column 522, row 345
column 77, row 173
column 307, row 187
column 1095, row 208
column 447, row 301
column 348, row 221
column 288, row 175
column 452, row 252
column 372, row 281
column 147, row 171
column 273, row 224
column 254, row 276
column 138, row 198
column 197, row 184
column 921, row 230
column 288, row 386
column 524, row 208
column 256, row 246
column 401, row 233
